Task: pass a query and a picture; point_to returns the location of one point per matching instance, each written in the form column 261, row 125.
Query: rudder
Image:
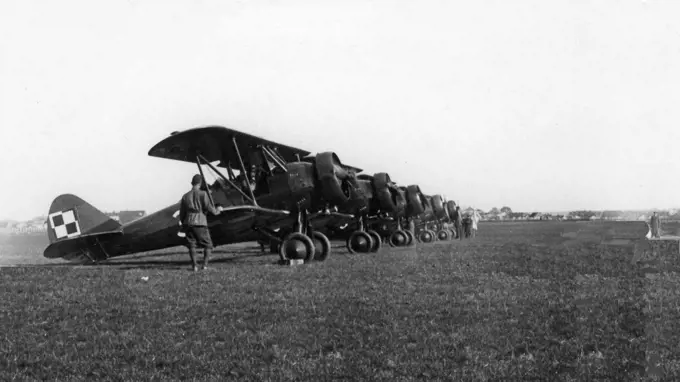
column 70, row 217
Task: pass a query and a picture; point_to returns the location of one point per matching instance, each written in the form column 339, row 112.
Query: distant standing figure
column 467, row 224
column 458, row 221
column 194, row 206
column 475, row 220
column 654, row 223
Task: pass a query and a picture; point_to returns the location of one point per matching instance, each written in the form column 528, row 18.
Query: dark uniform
column 467, row 224
column 458, row 221
column 194, row 207
column 655, row 225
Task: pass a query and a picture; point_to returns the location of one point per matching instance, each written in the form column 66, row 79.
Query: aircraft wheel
column 426, row 236
column 322, row 246
column 297, row 246
column 410, row 236
column 377, row 240
column 359, row 241
column 399, row 238
column 391, row 242
column 443, row 235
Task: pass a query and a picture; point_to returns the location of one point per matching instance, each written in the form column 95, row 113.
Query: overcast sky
column 537, row 105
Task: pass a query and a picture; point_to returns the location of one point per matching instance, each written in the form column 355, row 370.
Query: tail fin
column 71, row 217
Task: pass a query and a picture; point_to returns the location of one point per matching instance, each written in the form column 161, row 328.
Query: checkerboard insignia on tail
column 76, row 229
column 64, row 223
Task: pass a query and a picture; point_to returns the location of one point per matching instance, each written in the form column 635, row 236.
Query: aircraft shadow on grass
column 180, row 259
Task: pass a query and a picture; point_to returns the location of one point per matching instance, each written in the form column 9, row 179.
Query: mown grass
column 520, row 302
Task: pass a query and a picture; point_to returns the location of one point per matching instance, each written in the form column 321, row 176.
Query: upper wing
column 215, row 144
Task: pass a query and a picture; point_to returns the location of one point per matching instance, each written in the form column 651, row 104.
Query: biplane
column 434, row 223
column 380, row 211
column 398, row 228
column 270, row 191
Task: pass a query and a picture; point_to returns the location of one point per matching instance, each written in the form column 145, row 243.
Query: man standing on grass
column 467, row 223
column 194, row 206
column 475, row 219
column 655, row 225
column 458, row 221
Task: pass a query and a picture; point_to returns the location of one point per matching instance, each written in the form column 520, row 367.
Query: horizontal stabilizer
column 83, row 248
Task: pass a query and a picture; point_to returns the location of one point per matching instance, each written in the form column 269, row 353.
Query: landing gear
column 443, row 235
column 363, row 241
column 377, row 240
column 411, row 237
column 301, row 244
column 359, row 241
column 399, row 238
column 297, row 246
column 322, row 246
column 426, row 236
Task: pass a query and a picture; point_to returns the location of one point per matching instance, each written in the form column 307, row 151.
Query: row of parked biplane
column 282, row 197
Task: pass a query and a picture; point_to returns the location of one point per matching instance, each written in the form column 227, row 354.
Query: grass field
column 523, row 301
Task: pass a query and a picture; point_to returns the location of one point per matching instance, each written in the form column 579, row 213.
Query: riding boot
column 192, row 253
column 206, row 257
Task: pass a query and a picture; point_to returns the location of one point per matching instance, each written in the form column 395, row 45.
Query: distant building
column 37, row 225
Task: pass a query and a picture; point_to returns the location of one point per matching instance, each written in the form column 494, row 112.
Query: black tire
column 411, row 237
column 377, row 240
column 443, row 235
column 322, row 246
column 426, row 236
column 296, row 236
column 399, row 238
column 359, row 237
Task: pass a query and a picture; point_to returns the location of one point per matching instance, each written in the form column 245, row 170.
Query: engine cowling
column 390, row 198
column 438, row 207
column 451, row 208
column 336, row 185
column 429, row 213
column 361, row 194
column 416, row 202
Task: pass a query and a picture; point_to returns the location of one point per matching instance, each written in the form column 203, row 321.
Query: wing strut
column 243, row 170
column 205, row 183
column 200, row 157
column 275, row 158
